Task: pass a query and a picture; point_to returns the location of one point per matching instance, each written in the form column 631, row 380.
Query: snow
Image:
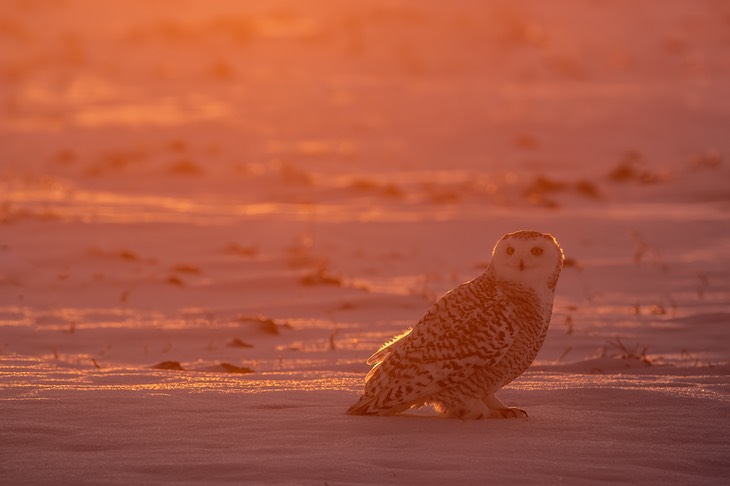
column 192, row 193
column 131, row 425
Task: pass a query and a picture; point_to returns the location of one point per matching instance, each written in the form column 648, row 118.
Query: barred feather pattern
column 471, row 342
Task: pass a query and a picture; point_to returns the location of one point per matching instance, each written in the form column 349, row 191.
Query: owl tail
column 372, row 405
column 365, row 406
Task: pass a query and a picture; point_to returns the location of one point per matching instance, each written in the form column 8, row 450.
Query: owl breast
column 531, row 317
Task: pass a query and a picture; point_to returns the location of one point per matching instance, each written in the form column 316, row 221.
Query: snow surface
column 212, row 213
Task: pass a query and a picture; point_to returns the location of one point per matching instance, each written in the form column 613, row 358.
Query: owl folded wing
column 440, row 353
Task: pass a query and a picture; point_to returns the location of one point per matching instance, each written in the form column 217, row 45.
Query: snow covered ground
column 212, row 213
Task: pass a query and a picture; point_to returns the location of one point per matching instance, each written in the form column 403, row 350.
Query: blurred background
column 194, row 96
column 338, row 164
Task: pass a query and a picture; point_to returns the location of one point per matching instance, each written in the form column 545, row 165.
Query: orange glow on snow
column 167, row 166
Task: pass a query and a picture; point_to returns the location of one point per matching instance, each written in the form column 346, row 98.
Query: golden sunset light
column 364, row 242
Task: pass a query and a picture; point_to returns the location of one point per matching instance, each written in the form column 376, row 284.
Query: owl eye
column 510, row 250
column 536, row 251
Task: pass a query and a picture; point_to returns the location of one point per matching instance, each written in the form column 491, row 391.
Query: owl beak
column 522, row 264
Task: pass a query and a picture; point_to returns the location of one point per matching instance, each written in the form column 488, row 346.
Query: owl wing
column 442, row 350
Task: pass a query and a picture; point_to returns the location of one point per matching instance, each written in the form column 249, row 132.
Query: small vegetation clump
column 168, row 365
column 241, row 250
column 622, row 351
column 630, row 169
column 186, row 167
column 321, row 276
column 238, row 343
column 265, row 324
column 229, row 368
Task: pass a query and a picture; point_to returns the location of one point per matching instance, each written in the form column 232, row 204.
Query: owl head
column 528, row 257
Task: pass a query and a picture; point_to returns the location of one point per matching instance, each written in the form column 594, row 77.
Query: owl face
column 528, row 257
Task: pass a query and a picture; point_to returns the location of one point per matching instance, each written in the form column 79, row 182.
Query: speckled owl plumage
column 474, row 340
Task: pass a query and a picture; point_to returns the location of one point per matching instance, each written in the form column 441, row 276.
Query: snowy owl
column 474, row 340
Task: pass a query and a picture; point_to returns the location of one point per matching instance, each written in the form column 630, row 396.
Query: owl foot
column 462, row 408
column 497, row 409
